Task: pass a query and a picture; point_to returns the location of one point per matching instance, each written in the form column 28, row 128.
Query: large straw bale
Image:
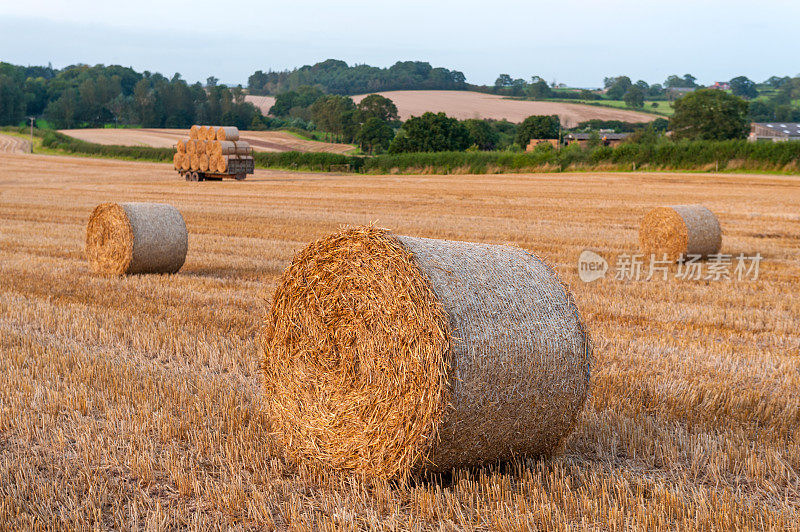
column 194, row 132
column 680, row 230
column 228, row 133
column 186, row 162
column 227, row 147
column 203, row 163
column 211, row 133
column 181, row 146
column 202, row 132
column 195, row 162
column 177, row 160
column 386, row 355
column 127, row 238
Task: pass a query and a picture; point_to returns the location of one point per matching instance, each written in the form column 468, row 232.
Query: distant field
column 466, row 104
column 13, row 144
column 662, row 107
column 264, row 103
column 266, row 141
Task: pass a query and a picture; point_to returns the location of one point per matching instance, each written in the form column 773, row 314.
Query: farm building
column 607, row 138
column 720, row 85
column 774, row 131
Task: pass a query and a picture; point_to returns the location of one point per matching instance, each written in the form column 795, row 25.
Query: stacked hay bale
column 679, row 231
column 385, row 355
column 127, row 238
column 211, row 149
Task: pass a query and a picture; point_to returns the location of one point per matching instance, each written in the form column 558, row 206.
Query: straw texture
column 177, row 160
column 128, row 238
column 385, row 355
column 680, row 230
column 227, row 133
column 181, row 146
column 194, row 132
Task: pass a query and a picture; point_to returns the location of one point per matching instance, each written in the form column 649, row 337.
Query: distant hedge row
column 698, row 155
column 58, row 141
column 666, row 155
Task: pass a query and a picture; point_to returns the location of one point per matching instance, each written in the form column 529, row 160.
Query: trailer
column 238, row 169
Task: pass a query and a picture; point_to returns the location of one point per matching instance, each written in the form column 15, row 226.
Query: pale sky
column 577, row 42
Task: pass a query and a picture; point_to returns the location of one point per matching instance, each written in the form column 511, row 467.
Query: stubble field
column 134, row 403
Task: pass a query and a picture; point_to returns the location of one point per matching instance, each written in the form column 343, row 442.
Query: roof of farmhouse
column 782, row 129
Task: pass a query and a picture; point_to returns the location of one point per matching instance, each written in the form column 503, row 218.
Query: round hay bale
column 127, row 238
column 203, row 163
column 181, row 146
column 222, row 163
column 194, row 131
column 191, row 146
column 212, row 147
column 680, row 230
column 195, row 162
column 211, row 133
column 177, row 160
column 202, row 132
column 386, row 355
column 228, row 133
column 186, row 162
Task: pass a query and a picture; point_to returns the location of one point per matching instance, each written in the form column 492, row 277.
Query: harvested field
column 266, row 141
column 136, row 402
column 264, row 103
column 12, row 144
column 467, row 104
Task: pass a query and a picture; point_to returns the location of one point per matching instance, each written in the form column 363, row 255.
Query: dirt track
column 9, row 144
column 265, row 141
column 465, row 104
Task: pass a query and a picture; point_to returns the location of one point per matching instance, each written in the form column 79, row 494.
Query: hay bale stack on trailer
column 385, row 355
column 213, row 153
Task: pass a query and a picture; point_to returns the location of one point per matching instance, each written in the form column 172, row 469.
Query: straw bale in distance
column 385, row 355
column 680, row 230
column 228, row 133
column 186, row 162
column 203, row 163
column 127, row 238
column 181, row 146
column 195, row 162
column 177, row 160
column 194, row 132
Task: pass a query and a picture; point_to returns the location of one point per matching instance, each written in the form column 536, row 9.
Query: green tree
column 634, row 97
column 375, row 135
column 296, row 103
column 377, row 106
column 431, row 132
column 12, row 101
column 335, row 114
column 482, row 134
column 709, row 114
column 676, row 82
column 618, row 87
column 539, row 90
column 537, row 127
column 743, row 87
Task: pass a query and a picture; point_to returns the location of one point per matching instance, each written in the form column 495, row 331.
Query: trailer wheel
column 187, row 176
column 194, row 176
column 240, row 177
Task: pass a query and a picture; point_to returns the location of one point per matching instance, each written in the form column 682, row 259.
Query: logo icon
column 591, row 266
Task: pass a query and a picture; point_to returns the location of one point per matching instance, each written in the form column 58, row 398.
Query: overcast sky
column 577, row 42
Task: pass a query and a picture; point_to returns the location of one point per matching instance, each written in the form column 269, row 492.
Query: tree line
column 82, row 95
column 337, row 77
